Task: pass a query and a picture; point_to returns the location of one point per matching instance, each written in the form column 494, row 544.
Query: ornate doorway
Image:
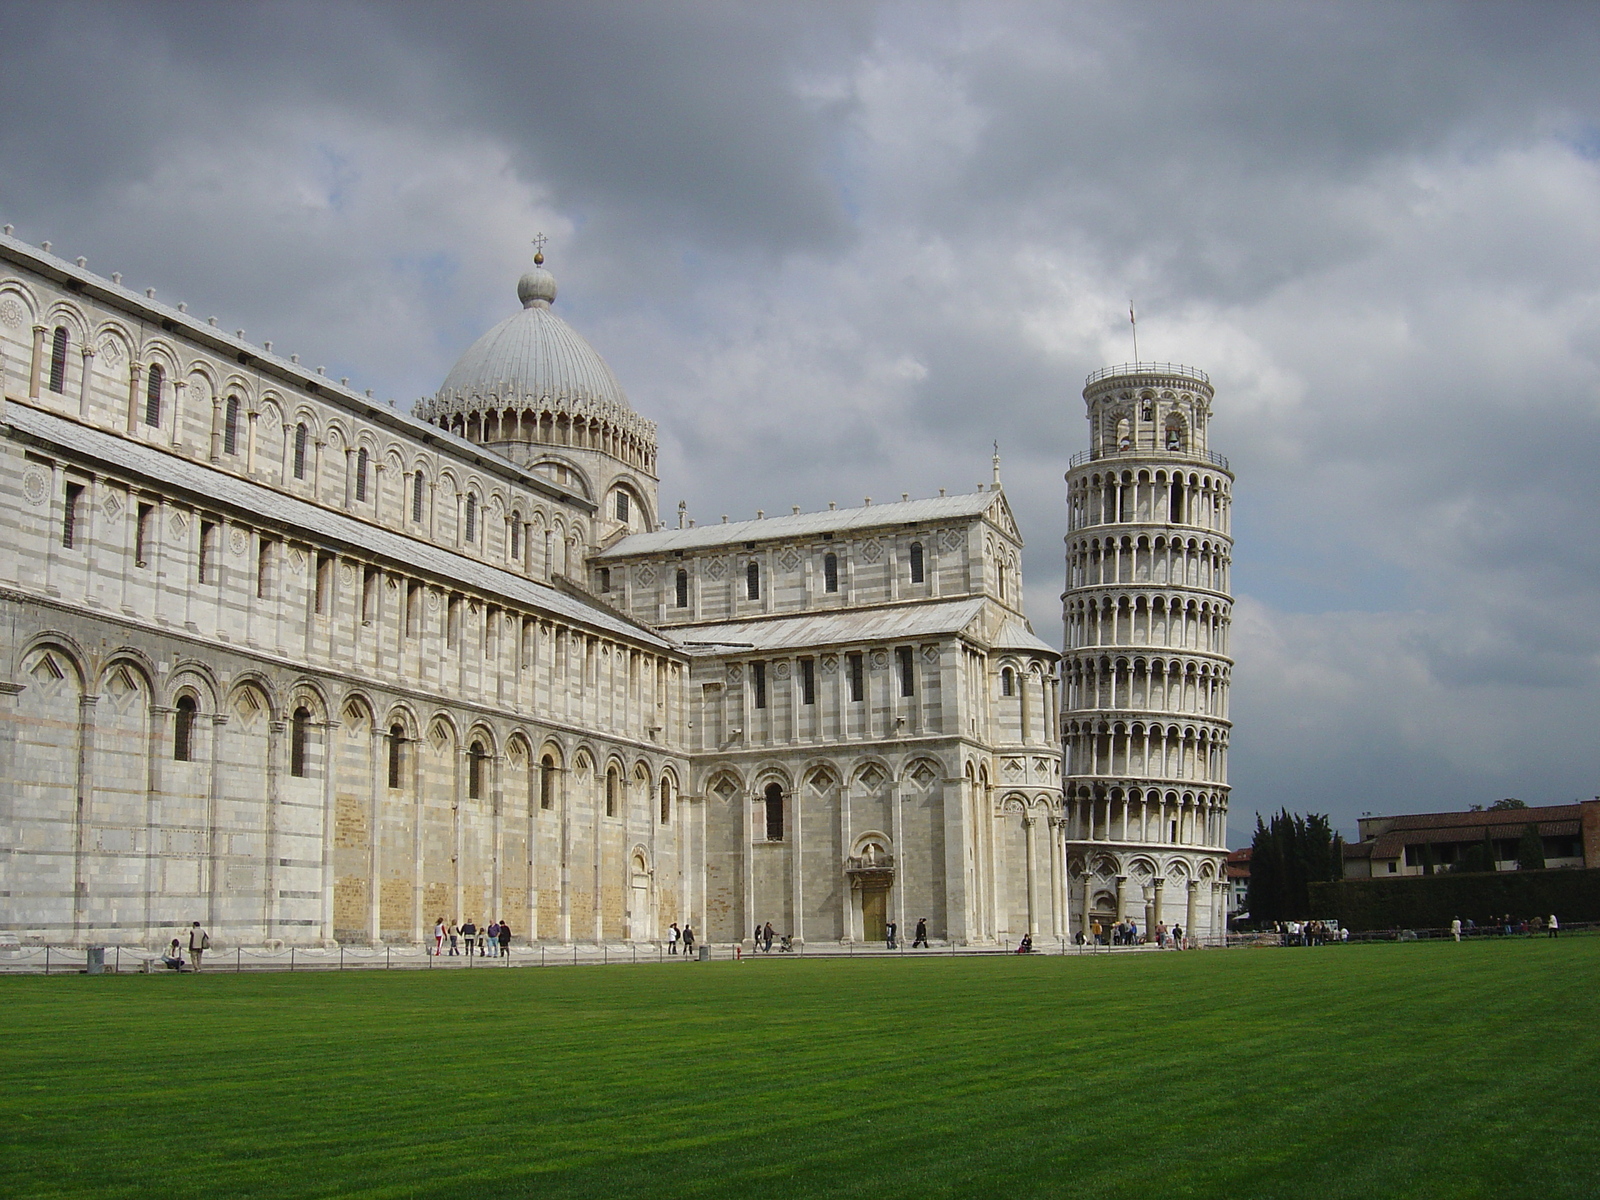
column 874, row 913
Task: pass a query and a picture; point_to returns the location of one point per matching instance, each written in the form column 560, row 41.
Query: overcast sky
column 837, row 251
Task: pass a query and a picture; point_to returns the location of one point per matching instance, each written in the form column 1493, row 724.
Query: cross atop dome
column 539, row 241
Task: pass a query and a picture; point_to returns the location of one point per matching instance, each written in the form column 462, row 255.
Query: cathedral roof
column 886, row 623
column 532, row 359
column 800, row 525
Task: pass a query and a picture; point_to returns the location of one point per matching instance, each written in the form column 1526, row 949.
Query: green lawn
column 1397, row 1070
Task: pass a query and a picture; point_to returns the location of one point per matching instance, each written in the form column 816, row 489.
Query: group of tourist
column 1507, row 925
column 1126, row 933
column 1310, row 933
column 684, row 935
column 493, row 940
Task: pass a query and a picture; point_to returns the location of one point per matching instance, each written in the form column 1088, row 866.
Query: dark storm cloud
column 837, row 251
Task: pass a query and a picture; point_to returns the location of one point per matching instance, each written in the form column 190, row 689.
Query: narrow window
column 452, row 623
column 666, row 802
column 611, row 791
column 516, row 537
column 397, row 741
column 622, row 506
column 208, row 551
column 830, row 573
column 263, row 568
column 752, row 581
column 808, row 681
column 141, row 534
column 758, row 681
column 1177, row 502
column 547, row 782
column 58, row 360
column 299, row 735
column 413, row 609
column 475, row 757
column 682, row 584
column 916, row 562
column 1008, row 682
column 857, row 682
column 774, row 804
column 69, row 515
column 152, row 395
column 323, row 600
column 416, row 497
column 230, row 427
column 908, row 674
column 472, row 517
column 361, row 475
column 369, row 595
column 605, row 579
column 183, row 730
column 300, row 451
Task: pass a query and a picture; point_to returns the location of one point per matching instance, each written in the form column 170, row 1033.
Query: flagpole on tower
column 1134, row 321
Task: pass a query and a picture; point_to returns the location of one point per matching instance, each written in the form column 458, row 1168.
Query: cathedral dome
column 533, row 357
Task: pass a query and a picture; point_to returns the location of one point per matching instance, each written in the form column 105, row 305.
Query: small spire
column 997, row 464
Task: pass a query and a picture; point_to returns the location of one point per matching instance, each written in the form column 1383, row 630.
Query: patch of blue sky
column 337, row 175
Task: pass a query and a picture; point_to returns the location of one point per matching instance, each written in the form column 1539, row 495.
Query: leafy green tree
column 1508, row 803
column 1287, row 855
column 1530, row 850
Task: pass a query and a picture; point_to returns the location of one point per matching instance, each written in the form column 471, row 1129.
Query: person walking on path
column 922, row 934
column 688, row 940
column 469, row 933
column 1551, row 928
column 1455, row 928
column 454, row 935
column 438, row 936
column 766, row 938
column 889, row 931
column 672, row 938
column 199, row 943
column 504, row 937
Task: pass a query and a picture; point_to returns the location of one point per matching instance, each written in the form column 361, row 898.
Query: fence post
column 238, row 959
column 47, row 958
column 341, row 958
column 291, row 958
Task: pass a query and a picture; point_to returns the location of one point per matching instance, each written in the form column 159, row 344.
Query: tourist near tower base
column 1145, row 669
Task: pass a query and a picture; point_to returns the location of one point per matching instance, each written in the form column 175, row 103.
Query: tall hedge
column 1431, row 901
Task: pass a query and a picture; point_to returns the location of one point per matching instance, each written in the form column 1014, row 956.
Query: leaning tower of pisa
column 1146, row 669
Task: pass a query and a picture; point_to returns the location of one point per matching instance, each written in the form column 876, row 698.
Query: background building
column 1417, row 843
column 1145, row 671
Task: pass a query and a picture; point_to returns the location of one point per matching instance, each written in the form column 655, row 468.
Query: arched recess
column 642, row 900
column 47, row 781
column 354, row 761
column 246, row 860
column 438, row 781
column 122, row 799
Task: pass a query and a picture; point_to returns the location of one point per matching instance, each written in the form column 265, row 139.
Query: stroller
column 786, row 944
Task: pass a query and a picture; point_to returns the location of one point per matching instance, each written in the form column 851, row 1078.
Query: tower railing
column 1207, row 456
column 1144, row 368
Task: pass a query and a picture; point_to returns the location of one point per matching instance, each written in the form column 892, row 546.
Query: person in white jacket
column 199, row 943
column 1551, row 928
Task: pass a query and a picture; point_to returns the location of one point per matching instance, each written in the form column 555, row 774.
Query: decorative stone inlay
column 347, row 575
column 922, row 774
column 112, row 507
column 12, row 314
column 178, row 525
column 830, row 663
column 647, row 575
column 872, row 777
column 433, row 600
column 781, row 670
column 930, row 655
column 725, row 787
column 790, row 559
column 241, row 541
column 880, row 659
column 735, row 673
column 1014, row 769
column 297, row 560
column 952, row 539
column 717, row 568
column 35, row 487
column 111, row 352
column 871, row 552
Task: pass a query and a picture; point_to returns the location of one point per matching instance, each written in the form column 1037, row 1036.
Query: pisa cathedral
column 310, row 669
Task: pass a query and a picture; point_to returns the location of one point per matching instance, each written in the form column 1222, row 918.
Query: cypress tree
column 1530, row 850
